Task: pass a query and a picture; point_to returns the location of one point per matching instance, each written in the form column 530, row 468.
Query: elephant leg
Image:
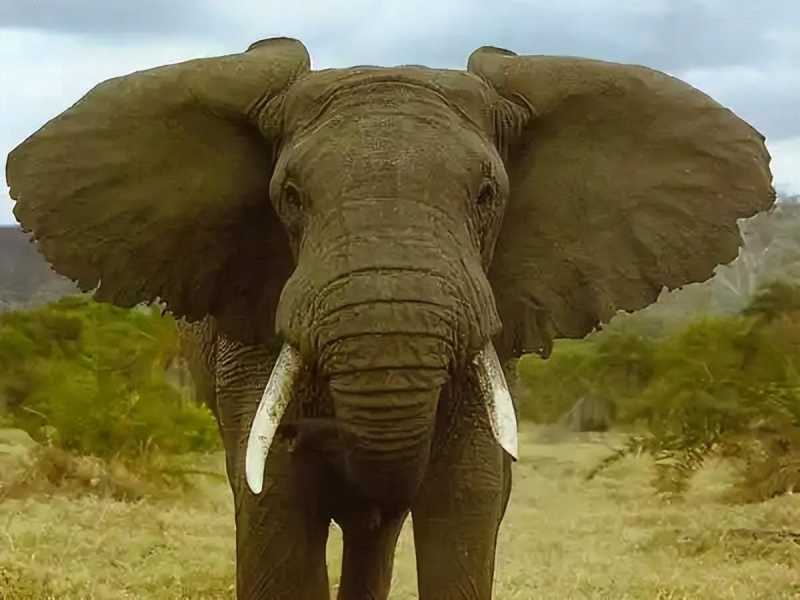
column 458, row 511
column 280, row 550
column 368, row 558
column 281, row 533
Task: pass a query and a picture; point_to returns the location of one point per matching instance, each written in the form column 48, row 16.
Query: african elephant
column 384, row 222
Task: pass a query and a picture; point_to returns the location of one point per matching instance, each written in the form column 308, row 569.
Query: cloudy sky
column 744, row 53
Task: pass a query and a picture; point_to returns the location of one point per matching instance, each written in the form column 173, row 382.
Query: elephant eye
column 292, row 197
column 486, row 194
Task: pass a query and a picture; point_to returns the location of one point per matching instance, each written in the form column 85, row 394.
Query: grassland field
column 563, row 537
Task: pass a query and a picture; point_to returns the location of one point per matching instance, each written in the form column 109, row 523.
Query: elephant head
column 390, row 223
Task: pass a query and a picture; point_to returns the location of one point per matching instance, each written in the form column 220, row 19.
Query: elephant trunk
column 389, row 454
column 386, row 368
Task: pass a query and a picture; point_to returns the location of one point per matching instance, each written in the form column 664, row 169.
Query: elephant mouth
column 289, row 368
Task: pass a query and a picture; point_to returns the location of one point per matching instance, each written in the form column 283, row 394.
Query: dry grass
column 563, row 538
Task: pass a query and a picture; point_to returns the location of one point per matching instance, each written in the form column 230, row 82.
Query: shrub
column 613, row 367
column 90, row 378
column 725, row 385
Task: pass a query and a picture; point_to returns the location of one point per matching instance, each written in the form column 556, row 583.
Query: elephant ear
column 623, row 180
column 154, row 186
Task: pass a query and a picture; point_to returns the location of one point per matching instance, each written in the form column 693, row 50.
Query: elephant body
column 281, row 535
column 359, row 250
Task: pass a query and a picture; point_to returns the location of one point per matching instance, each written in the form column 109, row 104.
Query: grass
column 563, row 537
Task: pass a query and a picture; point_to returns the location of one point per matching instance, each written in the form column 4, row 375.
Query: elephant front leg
column 458, row 512
column 280, row 548
column 280, row 533
column 368, row 559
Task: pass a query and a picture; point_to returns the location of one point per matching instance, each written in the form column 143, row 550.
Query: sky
column 745, row 54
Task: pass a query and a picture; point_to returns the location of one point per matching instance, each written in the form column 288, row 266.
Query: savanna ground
column 563, row 537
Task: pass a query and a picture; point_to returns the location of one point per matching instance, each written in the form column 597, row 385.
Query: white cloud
column 54, row 51
column 786, row 164
column 101, row 17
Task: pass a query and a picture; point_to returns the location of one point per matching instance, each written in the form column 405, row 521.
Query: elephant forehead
column 408, row 87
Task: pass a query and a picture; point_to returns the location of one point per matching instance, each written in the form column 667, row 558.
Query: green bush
column 90, row 378
column 725, row 385
column 552, row 385
column 616, row 366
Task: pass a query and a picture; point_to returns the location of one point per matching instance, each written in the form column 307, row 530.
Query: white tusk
column 499, row 405
column 268, row 416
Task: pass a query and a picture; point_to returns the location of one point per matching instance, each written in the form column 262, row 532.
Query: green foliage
column 552, row 385
column 90, row 378
column 722, row 385
column 615, row 366
column 775, row 300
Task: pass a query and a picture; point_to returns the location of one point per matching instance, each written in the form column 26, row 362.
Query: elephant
column 362, row 249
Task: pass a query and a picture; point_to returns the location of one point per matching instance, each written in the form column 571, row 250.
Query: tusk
column 499, row 405
column 268, row 416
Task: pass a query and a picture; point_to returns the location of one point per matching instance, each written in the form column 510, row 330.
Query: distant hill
column 26, row 279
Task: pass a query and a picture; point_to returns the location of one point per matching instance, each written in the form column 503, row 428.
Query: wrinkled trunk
column 386, row 362
column 386, row 318
column 392, row 446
